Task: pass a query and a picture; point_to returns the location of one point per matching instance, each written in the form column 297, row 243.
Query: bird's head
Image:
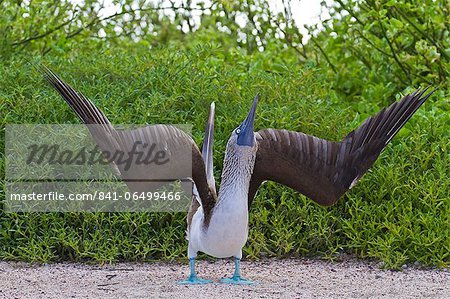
column 242, row 140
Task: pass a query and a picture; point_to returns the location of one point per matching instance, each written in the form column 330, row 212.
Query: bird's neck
column 236, row 176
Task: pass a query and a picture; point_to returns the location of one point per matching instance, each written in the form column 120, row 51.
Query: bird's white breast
column 227, row 231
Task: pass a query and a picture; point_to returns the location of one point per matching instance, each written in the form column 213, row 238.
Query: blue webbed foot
column 237, row 280
column 194, row 280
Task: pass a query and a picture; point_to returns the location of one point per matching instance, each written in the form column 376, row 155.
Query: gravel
column 288, row 278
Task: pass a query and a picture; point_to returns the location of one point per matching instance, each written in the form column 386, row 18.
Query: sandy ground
column 277, row 279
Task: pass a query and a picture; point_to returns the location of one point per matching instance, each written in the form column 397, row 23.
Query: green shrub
column 398, row 213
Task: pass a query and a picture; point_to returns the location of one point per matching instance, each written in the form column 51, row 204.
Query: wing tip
column 419, row 93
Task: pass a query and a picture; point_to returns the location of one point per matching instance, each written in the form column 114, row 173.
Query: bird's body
column 218, row 224
column 227, row 230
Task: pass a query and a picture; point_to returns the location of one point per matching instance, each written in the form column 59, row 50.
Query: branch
column 324, row 54
column 394, row 55
column 351, row 12
column 131, row 11
column 99, row 20
column 372, row 44
column 28, row 39
column 156, row 9
column 289, row 41
column 442, row 51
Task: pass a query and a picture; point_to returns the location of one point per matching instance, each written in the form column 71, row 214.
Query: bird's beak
column 246, row 136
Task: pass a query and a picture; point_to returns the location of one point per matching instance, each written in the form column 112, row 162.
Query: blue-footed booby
column 218, row 223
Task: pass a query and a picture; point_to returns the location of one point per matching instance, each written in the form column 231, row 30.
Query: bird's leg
column 193, row 279
column 236, row 278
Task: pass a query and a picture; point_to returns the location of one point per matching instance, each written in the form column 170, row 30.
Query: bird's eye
column 238, row 131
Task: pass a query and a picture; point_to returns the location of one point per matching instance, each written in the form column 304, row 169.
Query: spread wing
column 180, row 151
column 207, row 148
column 324, row 170
column 207, row 153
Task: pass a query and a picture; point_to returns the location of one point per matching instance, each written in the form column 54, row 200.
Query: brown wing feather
column 172, row 140
column 325, row 170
